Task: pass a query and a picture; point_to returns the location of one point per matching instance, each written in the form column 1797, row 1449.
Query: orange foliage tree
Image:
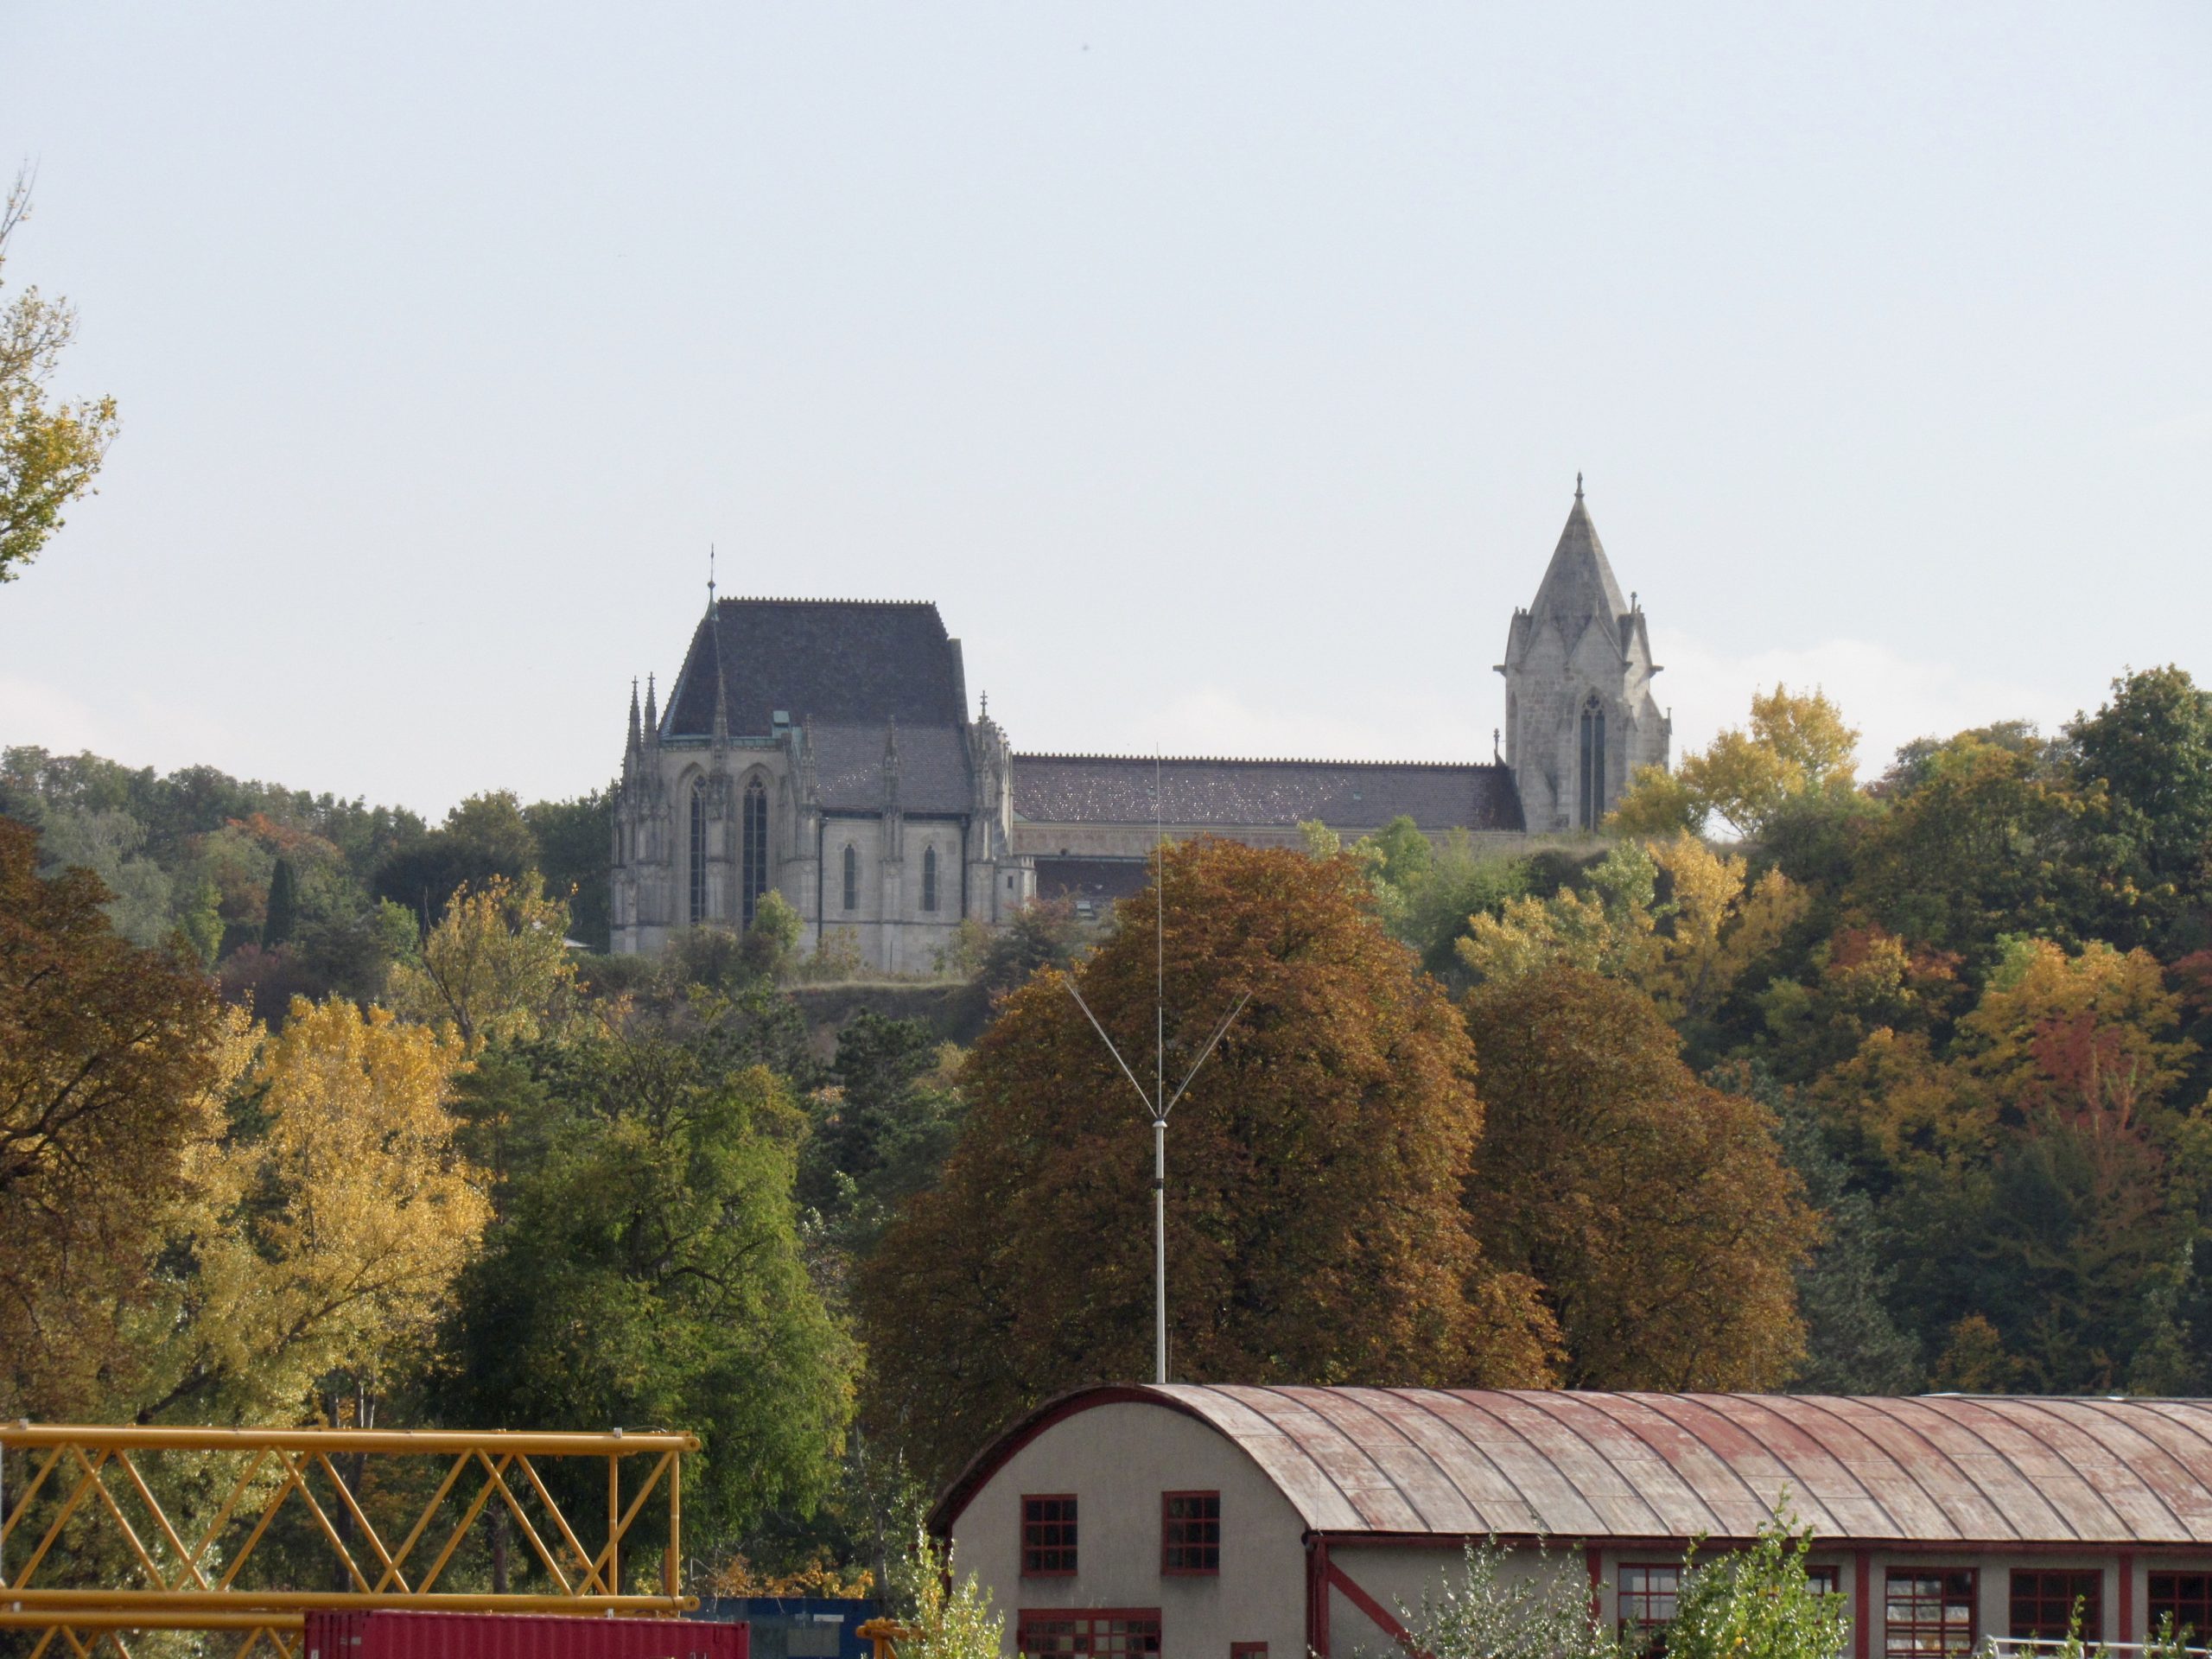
column 111, row 1057
column 1655, row 1209
column 1315, row 1171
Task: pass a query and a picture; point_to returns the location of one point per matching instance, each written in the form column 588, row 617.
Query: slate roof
column 838, row 661
column 849, row 768
column 1942, row 1470
column 1233, row 794
column 1579, row 582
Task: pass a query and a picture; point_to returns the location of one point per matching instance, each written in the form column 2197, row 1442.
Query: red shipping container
column 385, row 1633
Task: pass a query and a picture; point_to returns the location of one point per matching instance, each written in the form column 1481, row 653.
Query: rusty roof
column 1950, row 1469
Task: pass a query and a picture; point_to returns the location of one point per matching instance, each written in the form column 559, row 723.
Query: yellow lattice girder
column 90, row 1474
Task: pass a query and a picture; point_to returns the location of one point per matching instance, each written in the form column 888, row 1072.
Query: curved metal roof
column 1929, row 1469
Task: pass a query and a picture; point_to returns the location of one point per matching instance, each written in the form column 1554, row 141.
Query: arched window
column 756, row 881
column 698, row 852
column 852, row 878
column 1593, row 763
column 929, row 878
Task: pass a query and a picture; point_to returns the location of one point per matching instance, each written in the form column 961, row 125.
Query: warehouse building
column 1265, row 1522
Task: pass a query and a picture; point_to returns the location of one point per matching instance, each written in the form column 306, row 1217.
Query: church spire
column 1578, row 584
column 631, row 747
column 652, row 713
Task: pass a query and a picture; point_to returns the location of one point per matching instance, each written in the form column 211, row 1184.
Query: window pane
column 1930, row 1612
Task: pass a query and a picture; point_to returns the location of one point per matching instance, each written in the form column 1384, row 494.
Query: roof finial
column 986, row 705
column 1577, row 486
column 710, row 578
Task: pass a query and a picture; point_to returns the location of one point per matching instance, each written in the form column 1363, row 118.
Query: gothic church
column 824, row 748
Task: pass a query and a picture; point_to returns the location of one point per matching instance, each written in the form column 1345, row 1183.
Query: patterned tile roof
column 932, row 768
column 838, row 661
column 1209, row 791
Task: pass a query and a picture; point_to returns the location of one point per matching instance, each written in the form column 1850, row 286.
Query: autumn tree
column 1315, row 1168
column 495, row 966
column 50, row 450
column 1796, row 745
column 319, row 1233
column 112, row 1058
column 1654, row 1210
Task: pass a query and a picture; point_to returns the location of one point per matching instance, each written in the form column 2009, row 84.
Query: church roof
column 1237, row 794
column 1579, row 582
column 848, row 768
column 838, row 661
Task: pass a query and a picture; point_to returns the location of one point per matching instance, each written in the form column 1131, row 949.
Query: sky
column 1221, row 371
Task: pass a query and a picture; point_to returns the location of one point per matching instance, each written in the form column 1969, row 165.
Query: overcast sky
column 1221, row 371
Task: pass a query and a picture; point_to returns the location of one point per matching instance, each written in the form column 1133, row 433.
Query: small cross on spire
column 1577, row 486
column 710, row 575
column 986, row 705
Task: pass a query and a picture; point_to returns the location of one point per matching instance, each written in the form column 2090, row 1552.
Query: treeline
column 1793, row 1081
column 283, row 893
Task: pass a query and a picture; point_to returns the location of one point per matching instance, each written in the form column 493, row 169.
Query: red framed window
column 1926, row 1613
column 1829, row 1580
column 2044, row 1603
column 1094, row 1633
column 1048, row 1535
column 1189, row 1533
column 2182, row 1598
column 1248, row 1650
column 1646, row 1596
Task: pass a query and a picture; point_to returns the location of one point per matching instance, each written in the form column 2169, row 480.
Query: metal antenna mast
column 1159, row 1103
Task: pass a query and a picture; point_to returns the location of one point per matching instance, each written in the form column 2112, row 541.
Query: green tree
column 1759, row 1603
column 1796, row 745
column 1504, row 1606
column 647, row 1270
column 2151, row 747
column 50, row 451
column 574, row 844
column 282, row 920
column 882, row 1132
column 486, row 837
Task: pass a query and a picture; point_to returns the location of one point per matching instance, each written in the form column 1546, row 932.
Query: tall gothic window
column 929, row 878
column 852, row 878
column 1593, row 763
column 698, row 853
column 756, row 847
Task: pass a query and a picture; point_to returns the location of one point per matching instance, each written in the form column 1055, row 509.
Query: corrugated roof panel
column 1936, row 1469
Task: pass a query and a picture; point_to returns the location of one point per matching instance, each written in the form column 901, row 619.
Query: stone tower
column 1579, row 715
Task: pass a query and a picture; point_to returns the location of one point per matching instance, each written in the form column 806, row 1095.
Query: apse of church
column 823, row 750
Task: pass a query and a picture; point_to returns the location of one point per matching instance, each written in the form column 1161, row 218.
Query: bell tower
column 1579, row 716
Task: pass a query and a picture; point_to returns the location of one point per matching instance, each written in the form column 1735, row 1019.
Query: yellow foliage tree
column 1797, row 744
column 1687, row 953
column 495, row 966
column 327, row 1241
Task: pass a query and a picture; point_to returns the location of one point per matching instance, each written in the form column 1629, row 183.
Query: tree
column 648, row 1270
column 50, row 451
column 486, row 837
column 1797, row 745
column 951, row 1618
column 883, row 1132
column 111, row 1057
column 1654, row 1209
column 283, row 915
column 574, row 844
column 1315, row 1168
column 2151, row 747
column 495, row 966
column 1504, row 1607
column 1759, row 1603
column 323, row 1231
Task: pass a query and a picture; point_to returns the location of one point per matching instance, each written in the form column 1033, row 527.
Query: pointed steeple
column 631, row 747
column 1578, row 584
column 652, row 714
column 720, row 729
column 891, row 765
